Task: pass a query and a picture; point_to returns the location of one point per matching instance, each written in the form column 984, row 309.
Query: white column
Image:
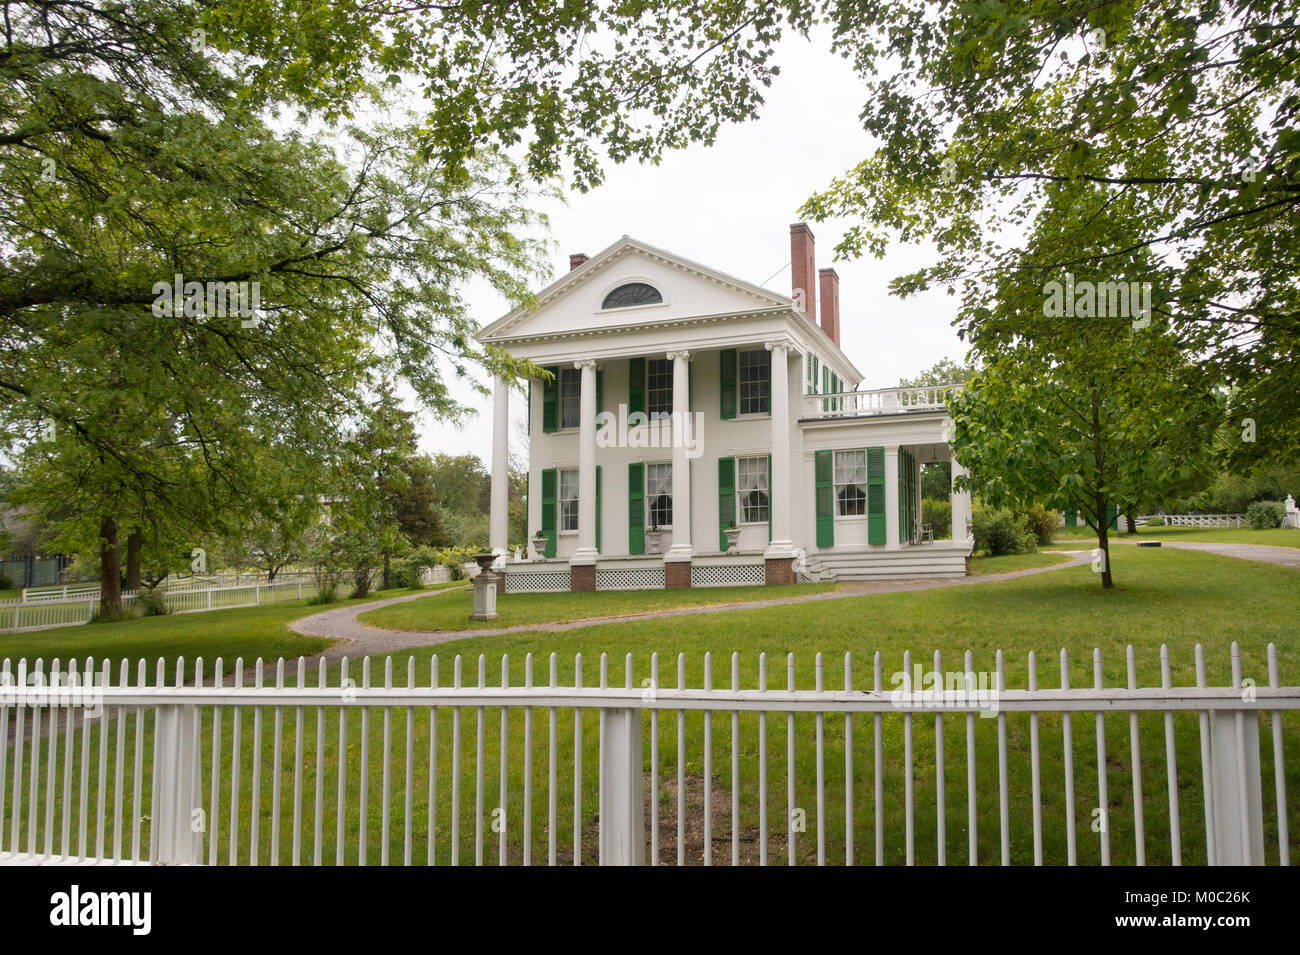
column 891, row 497
column 586, row 552
column 498, row 522
column 961, row 505
column 681, row 548
column 916, row 478
column 778, row 495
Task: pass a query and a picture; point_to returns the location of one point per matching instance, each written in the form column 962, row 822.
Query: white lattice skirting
column 644, row 578
column 727, row 575
column 549, row 581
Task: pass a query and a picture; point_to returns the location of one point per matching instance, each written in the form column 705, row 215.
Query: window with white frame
column 659, row 495
column 751, row 489
column 569, row 500
column 659, row 386
column 851, row 483
column 570, row 397
column 755, row 380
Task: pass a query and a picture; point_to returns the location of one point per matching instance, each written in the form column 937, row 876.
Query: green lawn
column 1275, row 537
column 983, row 566
column 249, row 632
column 1163, row 596
column 451, row 612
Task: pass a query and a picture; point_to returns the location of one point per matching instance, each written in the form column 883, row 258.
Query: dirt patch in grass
column 747, row 838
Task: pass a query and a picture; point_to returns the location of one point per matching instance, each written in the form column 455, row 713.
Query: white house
column 700, row 430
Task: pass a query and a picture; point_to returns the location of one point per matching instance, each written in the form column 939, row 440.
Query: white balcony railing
column 881, row 401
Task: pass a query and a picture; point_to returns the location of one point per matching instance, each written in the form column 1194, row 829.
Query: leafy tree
column 943, row 372
column 995, row 118
column 132, row 152
column 1087, row 429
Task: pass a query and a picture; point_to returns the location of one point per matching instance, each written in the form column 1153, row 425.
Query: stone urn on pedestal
column 485, row 589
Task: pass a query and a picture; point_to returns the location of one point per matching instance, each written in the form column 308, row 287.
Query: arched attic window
column 633, row 293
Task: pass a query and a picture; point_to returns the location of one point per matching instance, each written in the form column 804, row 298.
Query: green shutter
column 550, row 480
column 635, row 508
column 528, row 418
column 551, row 402
column 636, row 386
column 600, row 393
column 771, row 491
column 1112, row 517
column 597, row 507
column 1071, row 517
column 825, row 482
column 816, row 366
column 528, row 503
column 876, row 496
column 726, row 498
column 727, row 384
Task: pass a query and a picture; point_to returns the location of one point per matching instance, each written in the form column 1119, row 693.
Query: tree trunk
column 1131, row 517
column 1100, row 498
column 388, row 572
column 110, row 571
column 134, row 542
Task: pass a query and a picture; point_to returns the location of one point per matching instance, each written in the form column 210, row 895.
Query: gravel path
column 1282, row 556
column 358, row 639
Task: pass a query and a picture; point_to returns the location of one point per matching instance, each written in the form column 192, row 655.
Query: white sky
column 730, row 206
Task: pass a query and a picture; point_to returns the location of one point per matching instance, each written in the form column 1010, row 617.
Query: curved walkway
column 358, row 639
column 1264, row 553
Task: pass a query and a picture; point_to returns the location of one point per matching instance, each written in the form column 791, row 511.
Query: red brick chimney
column 576, row 259
column 803, row 266
column 830, row 293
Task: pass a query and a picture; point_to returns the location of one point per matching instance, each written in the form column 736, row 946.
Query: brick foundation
column 677, row 574
column 582, row 577
column 778, row 571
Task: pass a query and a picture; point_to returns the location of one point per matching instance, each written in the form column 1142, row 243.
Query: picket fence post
column 622, row 809
column 177, row 839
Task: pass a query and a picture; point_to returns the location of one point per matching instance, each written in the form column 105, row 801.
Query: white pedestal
column 485, row 596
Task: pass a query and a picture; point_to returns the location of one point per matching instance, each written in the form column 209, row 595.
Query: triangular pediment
column 688, row 289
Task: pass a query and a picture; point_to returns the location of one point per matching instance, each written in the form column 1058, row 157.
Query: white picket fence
column 172, row 584
column 20, row 615
column 1199, row 520
column 252, row 773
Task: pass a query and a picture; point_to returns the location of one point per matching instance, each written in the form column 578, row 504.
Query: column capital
column 781, row 346
column 585, row 363
column 681, row 353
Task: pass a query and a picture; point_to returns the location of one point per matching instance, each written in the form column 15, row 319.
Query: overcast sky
column 730, row 206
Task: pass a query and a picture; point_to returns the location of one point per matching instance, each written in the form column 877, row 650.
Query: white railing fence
column 1199, row 520
column 406, row 768
column 172, row 585
column 18, row 615
column 879, row 401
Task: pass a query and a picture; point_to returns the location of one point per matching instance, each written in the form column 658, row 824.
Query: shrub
column 405, row 573
column 1041, row 522
column 152, row 603
column 1156, row 522
column 998, row 531
column 6, row 583
column 1265, row 514
column 938, row 514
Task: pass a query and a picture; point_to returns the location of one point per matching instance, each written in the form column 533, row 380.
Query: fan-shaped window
column 633, row 293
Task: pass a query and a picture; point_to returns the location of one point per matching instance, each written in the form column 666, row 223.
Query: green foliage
column 1004, row 130
column 938, row 514
column 1156, row 522
column 999, row 531
column 943, row 372
column 1263, row 515
column 151, row 603
column 936, row 481
column 1041, row 522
